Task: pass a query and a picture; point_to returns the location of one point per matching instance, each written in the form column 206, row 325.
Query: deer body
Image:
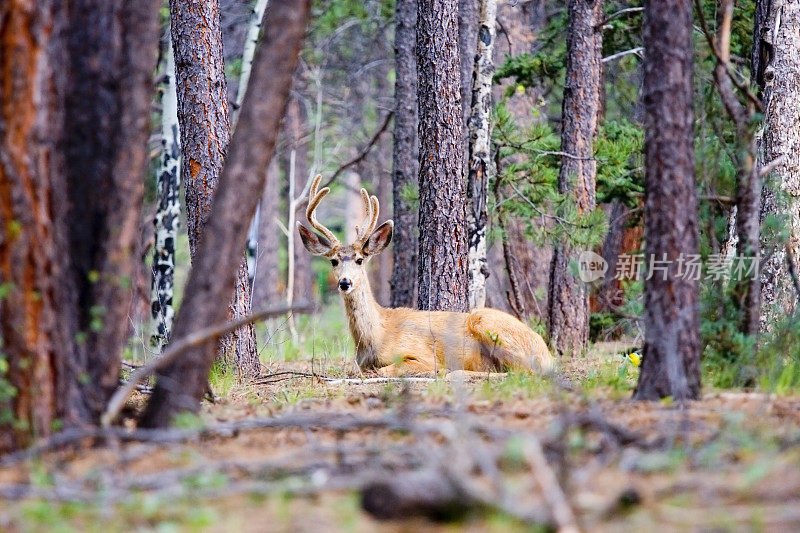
column 404, row 341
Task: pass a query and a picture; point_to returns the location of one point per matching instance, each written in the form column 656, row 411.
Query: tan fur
column 406, row 341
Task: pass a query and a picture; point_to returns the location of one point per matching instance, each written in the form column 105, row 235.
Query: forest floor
column 295, row 453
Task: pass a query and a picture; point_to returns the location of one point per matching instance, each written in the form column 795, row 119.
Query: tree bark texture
column 442, row 275
column 762, row 42
column 467, row 49
column 671, row 361
column 568, row 297
column 239, row 349
column 205, row 133
column 112, row 49
column 781, row 196
column 405, row 154
column 202, row 106
column 481, row 163
column 37, row 343
column 168, row 211
column 181, row 386
column 73, row 127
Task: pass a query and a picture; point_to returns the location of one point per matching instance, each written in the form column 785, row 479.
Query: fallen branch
column 178, row 348
column 289, row 374
column 551, row 489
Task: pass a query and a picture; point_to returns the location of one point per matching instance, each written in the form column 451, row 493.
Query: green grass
column 323, row 338
column 617, row 372
column 515, row 385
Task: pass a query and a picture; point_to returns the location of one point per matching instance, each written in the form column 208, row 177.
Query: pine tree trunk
column 71, row 211
column 37, row 342
column 181, row 386
column 405, row 153
column 671, row 361
column 467, row 49
column 781, row 196
column 568, row 298
column 167, row 219
column 112, row 50
column 481, row 164
column 443, row 278
column 205, row 133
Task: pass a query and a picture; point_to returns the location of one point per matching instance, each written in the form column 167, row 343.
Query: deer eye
column 359, row 261
column 334, row 262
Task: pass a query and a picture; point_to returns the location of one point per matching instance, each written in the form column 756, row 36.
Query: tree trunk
column 181, row 386
column 481, row 164
column 780, row 138
column 112, row 50
column 671, row 361
column 239, row 349
column 568, row 298
column 167, row 219
column 266, row 283
column 467, row 49
column 82, row 72
column 443, row 278
column 37, row 342
column 405, row 153
column 205, row 132
column 762, row 42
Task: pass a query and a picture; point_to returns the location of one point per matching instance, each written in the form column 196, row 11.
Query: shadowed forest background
column 621, row 177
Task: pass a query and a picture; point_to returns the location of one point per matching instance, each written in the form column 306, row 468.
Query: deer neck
column 365, row 317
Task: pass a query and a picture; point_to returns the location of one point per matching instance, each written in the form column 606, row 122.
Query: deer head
column 348, row 261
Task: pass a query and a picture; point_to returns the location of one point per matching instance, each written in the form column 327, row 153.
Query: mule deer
column 406, row 341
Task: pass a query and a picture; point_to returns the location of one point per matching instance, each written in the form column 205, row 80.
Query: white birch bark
column 481, row 164
column 781, row 139
column 167, row 219
column 248, row 53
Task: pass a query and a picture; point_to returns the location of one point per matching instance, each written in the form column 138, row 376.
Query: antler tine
column 376, row 209
column 312, row 192
column 314, row 198
column 361, row 233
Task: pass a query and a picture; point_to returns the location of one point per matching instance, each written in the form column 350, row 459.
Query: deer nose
column 344, row 284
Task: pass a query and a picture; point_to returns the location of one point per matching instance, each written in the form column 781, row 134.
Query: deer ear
column 379, row 239
column 316, row 244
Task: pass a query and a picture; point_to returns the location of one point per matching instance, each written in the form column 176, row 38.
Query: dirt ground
column 728, row 462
